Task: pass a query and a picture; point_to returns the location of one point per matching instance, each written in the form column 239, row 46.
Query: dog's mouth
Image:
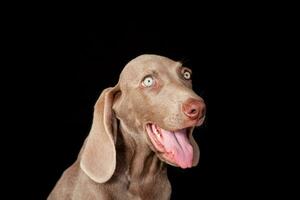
column 174, row 146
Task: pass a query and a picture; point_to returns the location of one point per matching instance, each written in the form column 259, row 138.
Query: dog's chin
column 173, row 147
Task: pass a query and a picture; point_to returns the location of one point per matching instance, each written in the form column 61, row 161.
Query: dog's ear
column 98, row 158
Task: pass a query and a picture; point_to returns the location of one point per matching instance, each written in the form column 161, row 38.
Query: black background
column 62, row 60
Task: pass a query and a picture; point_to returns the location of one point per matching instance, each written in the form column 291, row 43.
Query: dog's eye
column 187, row 75
column 148, row 81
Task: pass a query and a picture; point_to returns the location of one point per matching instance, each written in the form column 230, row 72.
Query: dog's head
column 155, row 101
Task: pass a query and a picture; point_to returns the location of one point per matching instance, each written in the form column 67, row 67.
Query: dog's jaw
column 173, row 147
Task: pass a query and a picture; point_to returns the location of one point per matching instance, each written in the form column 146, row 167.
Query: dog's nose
column 194, row 109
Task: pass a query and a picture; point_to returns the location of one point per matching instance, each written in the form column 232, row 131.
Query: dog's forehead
column 146, row 63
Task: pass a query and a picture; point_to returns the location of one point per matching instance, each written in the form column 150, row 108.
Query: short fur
column 118, row 160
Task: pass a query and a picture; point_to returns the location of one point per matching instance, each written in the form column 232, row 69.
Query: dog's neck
column 135, row 159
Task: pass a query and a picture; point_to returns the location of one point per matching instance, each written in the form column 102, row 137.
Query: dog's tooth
column 157, row 133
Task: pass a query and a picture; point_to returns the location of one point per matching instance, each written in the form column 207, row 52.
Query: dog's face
column 158, row 104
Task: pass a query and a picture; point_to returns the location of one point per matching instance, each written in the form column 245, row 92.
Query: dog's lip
column 155, row 136
column 159, row 147
column 189, row 129
column 200, row 121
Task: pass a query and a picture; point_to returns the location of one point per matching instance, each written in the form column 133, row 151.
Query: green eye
column 148, row 81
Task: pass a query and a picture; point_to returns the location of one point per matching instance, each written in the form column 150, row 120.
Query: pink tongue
column 177, row 143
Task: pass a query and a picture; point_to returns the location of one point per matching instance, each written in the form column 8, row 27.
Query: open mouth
column 174, row 146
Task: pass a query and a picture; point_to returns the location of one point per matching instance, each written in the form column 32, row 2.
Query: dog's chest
column 147, row 188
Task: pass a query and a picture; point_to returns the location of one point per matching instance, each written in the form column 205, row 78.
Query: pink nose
column 193, row 108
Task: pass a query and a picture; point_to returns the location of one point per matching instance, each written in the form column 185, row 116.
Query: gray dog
column 143, row 122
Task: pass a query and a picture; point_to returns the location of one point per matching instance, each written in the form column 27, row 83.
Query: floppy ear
column 98, row 159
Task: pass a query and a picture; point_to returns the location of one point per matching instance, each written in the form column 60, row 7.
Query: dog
column 145, row 121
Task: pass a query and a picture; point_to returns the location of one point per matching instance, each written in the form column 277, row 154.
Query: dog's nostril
column 193, row 111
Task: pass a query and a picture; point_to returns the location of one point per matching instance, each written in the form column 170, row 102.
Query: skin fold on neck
column 141, row 163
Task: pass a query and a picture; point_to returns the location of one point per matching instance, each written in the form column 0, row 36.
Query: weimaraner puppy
column 143, row 122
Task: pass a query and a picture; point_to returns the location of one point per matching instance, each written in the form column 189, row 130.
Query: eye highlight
column 148, row 81
column 186, row 74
